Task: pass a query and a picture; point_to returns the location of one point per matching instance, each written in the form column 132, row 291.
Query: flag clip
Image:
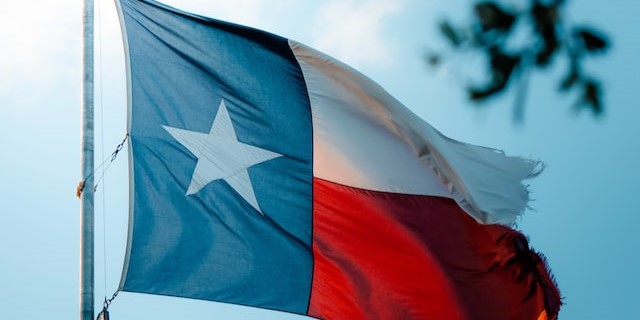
column 104, row 314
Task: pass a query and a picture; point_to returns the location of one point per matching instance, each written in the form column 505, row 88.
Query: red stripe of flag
column 411, row 257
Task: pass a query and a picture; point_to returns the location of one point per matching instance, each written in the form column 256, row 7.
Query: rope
column 101, row 107
column 114, row 155
column 103, row 167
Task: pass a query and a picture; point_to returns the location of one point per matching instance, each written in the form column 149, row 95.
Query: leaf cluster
column 491, row 30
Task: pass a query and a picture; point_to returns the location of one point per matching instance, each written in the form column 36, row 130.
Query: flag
column 265, row 173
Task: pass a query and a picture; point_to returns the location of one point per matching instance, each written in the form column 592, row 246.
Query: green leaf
column 454, row 37
column 591, row 96
column 433, row 59
column 571, row 79
column 493, row 17
column 592, row 40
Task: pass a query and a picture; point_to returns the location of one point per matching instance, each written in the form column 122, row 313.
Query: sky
column 585, row 218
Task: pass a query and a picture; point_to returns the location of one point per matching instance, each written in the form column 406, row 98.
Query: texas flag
column 265, row 173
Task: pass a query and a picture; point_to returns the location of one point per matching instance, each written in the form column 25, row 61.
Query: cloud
column 353, row 31
column 41, row 40
column 40, row 46
column 253, row 13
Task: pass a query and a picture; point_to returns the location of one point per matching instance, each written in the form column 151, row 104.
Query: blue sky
column 586, row 218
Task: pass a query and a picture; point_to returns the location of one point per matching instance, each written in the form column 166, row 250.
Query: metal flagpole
column 87, row 159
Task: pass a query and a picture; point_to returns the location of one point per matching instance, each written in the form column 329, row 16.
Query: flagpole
column 87, row 166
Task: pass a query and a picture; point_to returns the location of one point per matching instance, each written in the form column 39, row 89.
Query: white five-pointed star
column 221, row 156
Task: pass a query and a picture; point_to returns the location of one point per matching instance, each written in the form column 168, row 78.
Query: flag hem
column 125, row 41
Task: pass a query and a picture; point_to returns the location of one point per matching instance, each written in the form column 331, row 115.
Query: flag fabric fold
column 265, row 173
